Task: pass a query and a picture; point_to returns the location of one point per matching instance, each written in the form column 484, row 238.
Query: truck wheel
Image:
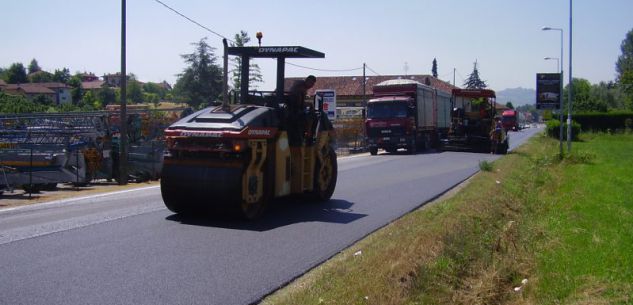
column 325, row 176
column 171, row 197
column 373, row 151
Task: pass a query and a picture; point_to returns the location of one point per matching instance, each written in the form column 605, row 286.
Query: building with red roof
column 349, row 89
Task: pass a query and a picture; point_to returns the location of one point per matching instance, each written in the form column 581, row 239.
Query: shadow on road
column 280, row 213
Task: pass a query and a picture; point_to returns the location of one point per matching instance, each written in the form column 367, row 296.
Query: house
column 349, row 89
column 88, row 77
column 113, row 80
column 3, row 84
column 57, row 92
column 92, row 85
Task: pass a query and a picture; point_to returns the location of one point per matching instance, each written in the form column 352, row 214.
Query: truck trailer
column 406, row 114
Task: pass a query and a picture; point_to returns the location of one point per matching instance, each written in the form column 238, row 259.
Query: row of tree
column 199, row 85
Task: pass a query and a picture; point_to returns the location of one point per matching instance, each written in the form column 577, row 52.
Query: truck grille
column 376, row 132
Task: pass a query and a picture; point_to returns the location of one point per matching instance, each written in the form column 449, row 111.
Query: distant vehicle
column 548, row 97
column 472, row 123
column 406, row 114
column 509, row 120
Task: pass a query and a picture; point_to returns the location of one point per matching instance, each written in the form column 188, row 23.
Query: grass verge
column 536, row 229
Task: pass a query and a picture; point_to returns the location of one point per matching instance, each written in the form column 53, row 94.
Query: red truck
column 509, row 120
column 406, row 114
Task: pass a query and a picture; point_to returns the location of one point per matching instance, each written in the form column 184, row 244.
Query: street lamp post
column 557, row 62
column 560, row 105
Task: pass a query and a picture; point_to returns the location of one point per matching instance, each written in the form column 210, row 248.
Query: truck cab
column 390, row 123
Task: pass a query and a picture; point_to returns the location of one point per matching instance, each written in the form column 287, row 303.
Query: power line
column 372, row 70
column 193, row 21
column 325, row 70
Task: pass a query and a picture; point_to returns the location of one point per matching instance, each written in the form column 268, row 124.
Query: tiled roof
column 30, row 88
column 353, row 85
column 93, row 85
column 50, row 85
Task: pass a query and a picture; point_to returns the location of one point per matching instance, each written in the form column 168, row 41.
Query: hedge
column 604, row 121
column 552, row 129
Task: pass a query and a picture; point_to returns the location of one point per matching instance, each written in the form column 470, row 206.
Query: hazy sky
column 504, row 36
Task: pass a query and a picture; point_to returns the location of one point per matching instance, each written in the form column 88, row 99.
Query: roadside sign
column 548, row 86
column 328, row 98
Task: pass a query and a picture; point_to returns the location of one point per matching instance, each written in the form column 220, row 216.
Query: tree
column 76, row 91
column 582, row 97
column 626, row 87
column 156, row 89
column 16, row 74
column 607, row 94
column 18, row 104
column 34, row 67
column 62, row 76
column 40, row 77
column 434, row 69
column 106, row 96
column 254, row 75
column 625, row 61
column 509, row 105
column 134, row 92
column 473, row 81
column 201, row 81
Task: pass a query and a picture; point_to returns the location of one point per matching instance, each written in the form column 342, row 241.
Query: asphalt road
column 126, row 248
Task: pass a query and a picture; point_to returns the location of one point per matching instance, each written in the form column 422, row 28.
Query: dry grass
column 468, row 249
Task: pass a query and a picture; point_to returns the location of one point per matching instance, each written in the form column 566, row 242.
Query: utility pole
column 123, row 114
column 364, row 84
column 454, row 76
column 571, row 85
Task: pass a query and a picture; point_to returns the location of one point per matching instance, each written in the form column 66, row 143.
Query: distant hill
column 518, row 96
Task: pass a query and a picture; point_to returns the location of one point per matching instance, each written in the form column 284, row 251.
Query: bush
column 553, row 127
column 485, row 166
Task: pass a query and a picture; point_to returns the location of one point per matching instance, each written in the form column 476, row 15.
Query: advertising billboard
column 328, row 98
column 548, row 93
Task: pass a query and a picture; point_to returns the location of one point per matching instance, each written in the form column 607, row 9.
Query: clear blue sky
column 504, row 36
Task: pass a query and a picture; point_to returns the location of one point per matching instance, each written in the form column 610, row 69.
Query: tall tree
column 62, row 76
column 624, row 68
column 625, row 60
column 473, row 81
column 254, row 74
column 201, row 81
column 34, row 66
column 40, row 77
column 16, row 74
column 434, row 69
column 509, row 105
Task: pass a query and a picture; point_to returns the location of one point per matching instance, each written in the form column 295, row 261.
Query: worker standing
column 297, row 118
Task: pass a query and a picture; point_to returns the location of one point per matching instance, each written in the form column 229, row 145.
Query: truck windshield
column 387, row 110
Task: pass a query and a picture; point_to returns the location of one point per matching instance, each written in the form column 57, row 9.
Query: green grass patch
column 535, row 228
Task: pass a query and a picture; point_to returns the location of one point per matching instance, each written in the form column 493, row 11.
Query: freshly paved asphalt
column 126, row 248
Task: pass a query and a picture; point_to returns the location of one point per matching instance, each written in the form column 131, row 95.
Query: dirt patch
column 64, row 191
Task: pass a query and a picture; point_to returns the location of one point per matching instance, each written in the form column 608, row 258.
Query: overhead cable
column 193, row 21
column 325, row 70
column 372, row 70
